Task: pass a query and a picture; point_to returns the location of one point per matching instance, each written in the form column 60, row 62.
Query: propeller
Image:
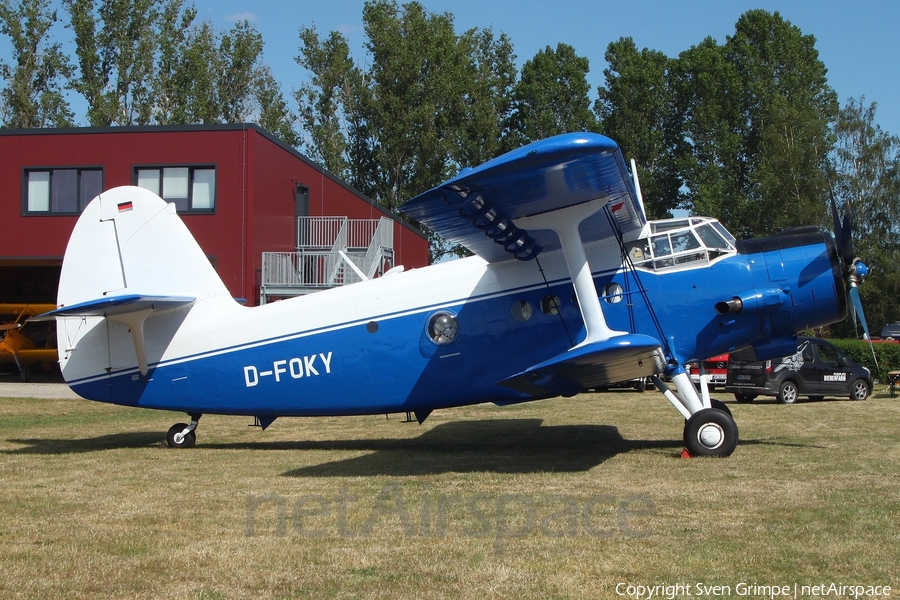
column 854, row 269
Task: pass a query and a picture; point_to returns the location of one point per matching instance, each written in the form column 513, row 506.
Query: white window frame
column 191, row 187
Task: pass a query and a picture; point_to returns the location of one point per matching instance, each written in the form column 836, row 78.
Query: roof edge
column 218, row 127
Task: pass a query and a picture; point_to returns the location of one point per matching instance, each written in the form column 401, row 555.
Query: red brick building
column 239, row 190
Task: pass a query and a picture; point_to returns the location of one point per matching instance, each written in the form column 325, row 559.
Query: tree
column 487, row 101
column 176, row 77
column 551, row 97
column 239, row 53
column 34, row 93
column 274, row 114
column 866, row 162
column 115, row 43
column 428, row 103
column 328, row 99
column 706, row 96
column 147, row 61
column 635, row 109
column 416, row 75
column 789, row 108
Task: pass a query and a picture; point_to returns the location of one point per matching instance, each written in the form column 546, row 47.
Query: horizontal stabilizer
column 116, row 305
column 131, row 309
column 619, row 358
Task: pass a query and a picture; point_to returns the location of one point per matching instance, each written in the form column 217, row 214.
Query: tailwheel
column 710, row 432
column 182, row 435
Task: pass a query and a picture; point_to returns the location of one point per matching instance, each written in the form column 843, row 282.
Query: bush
column 888, row 356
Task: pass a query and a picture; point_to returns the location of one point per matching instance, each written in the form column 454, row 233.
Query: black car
column 818, row 369
column 891, row 331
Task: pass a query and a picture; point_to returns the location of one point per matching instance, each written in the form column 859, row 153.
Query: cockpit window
column 669, row 225
column 725, row 233
column 679, row 242
column 712, row 238
column 684, row 240
column 661, row 246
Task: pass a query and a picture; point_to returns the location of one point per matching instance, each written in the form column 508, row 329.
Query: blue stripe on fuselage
column 346, row 369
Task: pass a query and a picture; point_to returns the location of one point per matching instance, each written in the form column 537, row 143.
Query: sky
column 859, row 42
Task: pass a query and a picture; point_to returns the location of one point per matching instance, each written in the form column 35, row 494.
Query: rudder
column 130, row 241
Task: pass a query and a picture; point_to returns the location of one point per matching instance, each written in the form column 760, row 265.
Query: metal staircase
column 331, row 251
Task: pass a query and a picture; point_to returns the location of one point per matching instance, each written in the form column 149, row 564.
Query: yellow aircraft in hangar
column 26, row 344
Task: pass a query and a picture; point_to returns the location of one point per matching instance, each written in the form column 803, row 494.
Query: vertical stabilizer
column 130, row 241
column 130, row 259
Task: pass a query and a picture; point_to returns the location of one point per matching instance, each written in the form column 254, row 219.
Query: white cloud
column 244, row 16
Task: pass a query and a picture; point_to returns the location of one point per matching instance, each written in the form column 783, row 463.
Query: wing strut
column 565, row 223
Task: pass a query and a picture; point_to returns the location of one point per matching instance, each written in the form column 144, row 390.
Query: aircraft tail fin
column 130, row 241
column 129, row 257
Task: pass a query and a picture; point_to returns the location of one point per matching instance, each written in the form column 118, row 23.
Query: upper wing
column 480, row 206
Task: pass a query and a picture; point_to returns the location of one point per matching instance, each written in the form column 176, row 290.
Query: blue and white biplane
column 570, row 288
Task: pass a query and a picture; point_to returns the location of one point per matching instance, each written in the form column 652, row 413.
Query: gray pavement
column 15, row 389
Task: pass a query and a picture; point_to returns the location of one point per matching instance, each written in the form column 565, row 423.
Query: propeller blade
column 843, row 232
column 846, row 244
column 854, row 269
column 838, row 233
column 858, row 310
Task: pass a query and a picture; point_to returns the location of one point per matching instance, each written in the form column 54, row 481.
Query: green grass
column 479, row 502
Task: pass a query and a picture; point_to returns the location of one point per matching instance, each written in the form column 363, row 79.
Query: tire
column 859, row 390
column 187, row 441
column 721, row 406
column 710, row 432
column 816, row 398
column 745, row 398
column 641, row 385
column 788, row 393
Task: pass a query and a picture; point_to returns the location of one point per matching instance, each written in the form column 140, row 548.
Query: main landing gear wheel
column 721, row 406
column 710, row 432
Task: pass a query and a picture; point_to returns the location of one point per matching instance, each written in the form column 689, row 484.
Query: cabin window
column 192, row 189
column 613, row 293
column 60, row 191
column 550, row 305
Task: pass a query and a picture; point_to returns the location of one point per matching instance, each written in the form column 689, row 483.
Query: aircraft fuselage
column 371, row 348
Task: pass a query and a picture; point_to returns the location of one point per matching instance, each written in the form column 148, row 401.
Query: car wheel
column 859, row 390
column 745, row 398
column 788, row 392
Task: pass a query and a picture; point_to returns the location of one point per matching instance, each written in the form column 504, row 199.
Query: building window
column 192, row 189
column 61, row 191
